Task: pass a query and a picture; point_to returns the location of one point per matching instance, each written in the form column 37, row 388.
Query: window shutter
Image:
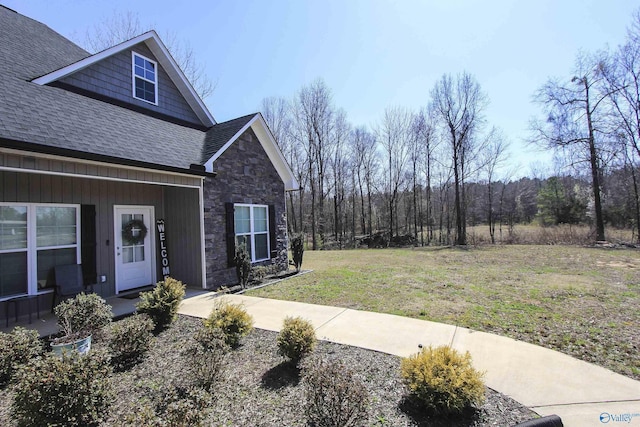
column 88, row 244
column 273, row 238
column 231, row 234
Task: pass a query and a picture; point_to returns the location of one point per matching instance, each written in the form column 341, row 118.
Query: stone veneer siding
column 244, row 175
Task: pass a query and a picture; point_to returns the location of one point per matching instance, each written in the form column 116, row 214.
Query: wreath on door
column 135, row 231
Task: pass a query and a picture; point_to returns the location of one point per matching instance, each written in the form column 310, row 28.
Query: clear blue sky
column 372, row 54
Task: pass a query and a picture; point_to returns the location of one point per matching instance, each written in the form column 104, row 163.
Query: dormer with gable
column 139, row 74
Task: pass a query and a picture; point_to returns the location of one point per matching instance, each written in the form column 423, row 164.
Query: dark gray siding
column 112, row 76
column 182, row 220
column 244, row 175
column 93, row 170
column 36, row 188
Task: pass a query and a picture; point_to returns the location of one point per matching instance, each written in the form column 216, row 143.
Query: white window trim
column 32, row 243
column 134, row 77
column 252, row 233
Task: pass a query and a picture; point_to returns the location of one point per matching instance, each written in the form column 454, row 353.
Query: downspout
column 203, row 260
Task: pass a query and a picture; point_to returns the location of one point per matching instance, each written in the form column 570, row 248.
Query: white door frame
column 151, row 234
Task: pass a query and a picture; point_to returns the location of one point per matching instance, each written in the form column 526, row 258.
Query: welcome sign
column 164, row 255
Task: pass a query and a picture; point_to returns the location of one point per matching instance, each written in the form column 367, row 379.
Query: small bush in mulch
column 129, row 339
column 443, row 380
column 334, row 397
column 85, row 314
column 296, row 339
column 257, row 389
column 161, row 303
column 17, row 348
column 171, row 405
column 232, row 319
column 70, row 391
column 205, row 356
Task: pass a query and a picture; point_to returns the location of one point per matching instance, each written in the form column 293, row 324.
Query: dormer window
column 145, row 79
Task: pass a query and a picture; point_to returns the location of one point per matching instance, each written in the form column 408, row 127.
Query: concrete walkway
column 544, row 380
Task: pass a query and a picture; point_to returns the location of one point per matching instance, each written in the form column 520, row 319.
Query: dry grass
column 578, row 300
column 535, row 235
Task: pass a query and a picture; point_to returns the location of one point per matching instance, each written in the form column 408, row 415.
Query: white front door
column 133, row 247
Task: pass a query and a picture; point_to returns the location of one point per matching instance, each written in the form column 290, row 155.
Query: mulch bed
column 258, row 389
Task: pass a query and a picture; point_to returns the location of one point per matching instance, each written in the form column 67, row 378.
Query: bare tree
column 492, row 157
column 573, row 112
column 364, row 151
column 339, row 162
column 621, row 74
column 123, row 26
column 313, row 121
column 415, row 157
column 459, row 104
column 394, row 136
column 277, row 113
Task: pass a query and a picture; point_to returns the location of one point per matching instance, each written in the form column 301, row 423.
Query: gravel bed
column 258, row 389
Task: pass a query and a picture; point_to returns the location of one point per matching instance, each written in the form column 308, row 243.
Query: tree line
column 426, row 175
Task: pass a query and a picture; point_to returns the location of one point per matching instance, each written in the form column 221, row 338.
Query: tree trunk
column 594, row 170
column 636, row 199
column 461, row 238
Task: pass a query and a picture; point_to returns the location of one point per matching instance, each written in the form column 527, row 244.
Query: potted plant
column 79, row 319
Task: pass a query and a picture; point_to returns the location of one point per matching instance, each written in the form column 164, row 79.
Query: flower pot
column 82, row 346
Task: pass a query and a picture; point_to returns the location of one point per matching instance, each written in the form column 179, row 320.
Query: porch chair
column 69, row 282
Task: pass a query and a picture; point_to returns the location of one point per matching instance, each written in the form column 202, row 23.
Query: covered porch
column 59, row 211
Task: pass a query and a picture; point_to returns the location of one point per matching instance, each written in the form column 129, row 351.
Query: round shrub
column 167, row 404
column 296, row 339
column 161, row 303
column 443, row 379
column 70, row 391
column 206, row 356
column 129, row 339
column 17, row 348
column 334, row 397
column 232, row 319
column 86, row 314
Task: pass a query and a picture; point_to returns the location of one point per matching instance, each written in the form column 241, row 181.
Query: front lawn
column 582, row 301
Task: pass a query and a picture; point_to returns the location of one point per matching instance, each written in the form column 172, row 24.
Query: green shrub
column 242, row 261
column 70, row 391
column 161, row 303
column 17, row 348
column 443, row 379
column 297, row 250
column 296, row 339
column 334, row 397
column 171, row 405
column 84, row 315
column 260, row 272
column 232, row 319
column 129, row 339
column 205, row 356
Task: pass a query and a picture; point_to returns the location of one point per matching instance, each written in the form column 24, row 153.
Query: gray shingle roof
column 51, row 118
column 221, row 133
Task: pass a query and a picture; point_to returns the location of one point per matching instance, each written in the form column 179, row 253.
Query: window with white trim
column 34, row 238
column 252, row 229
column 145, row 78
